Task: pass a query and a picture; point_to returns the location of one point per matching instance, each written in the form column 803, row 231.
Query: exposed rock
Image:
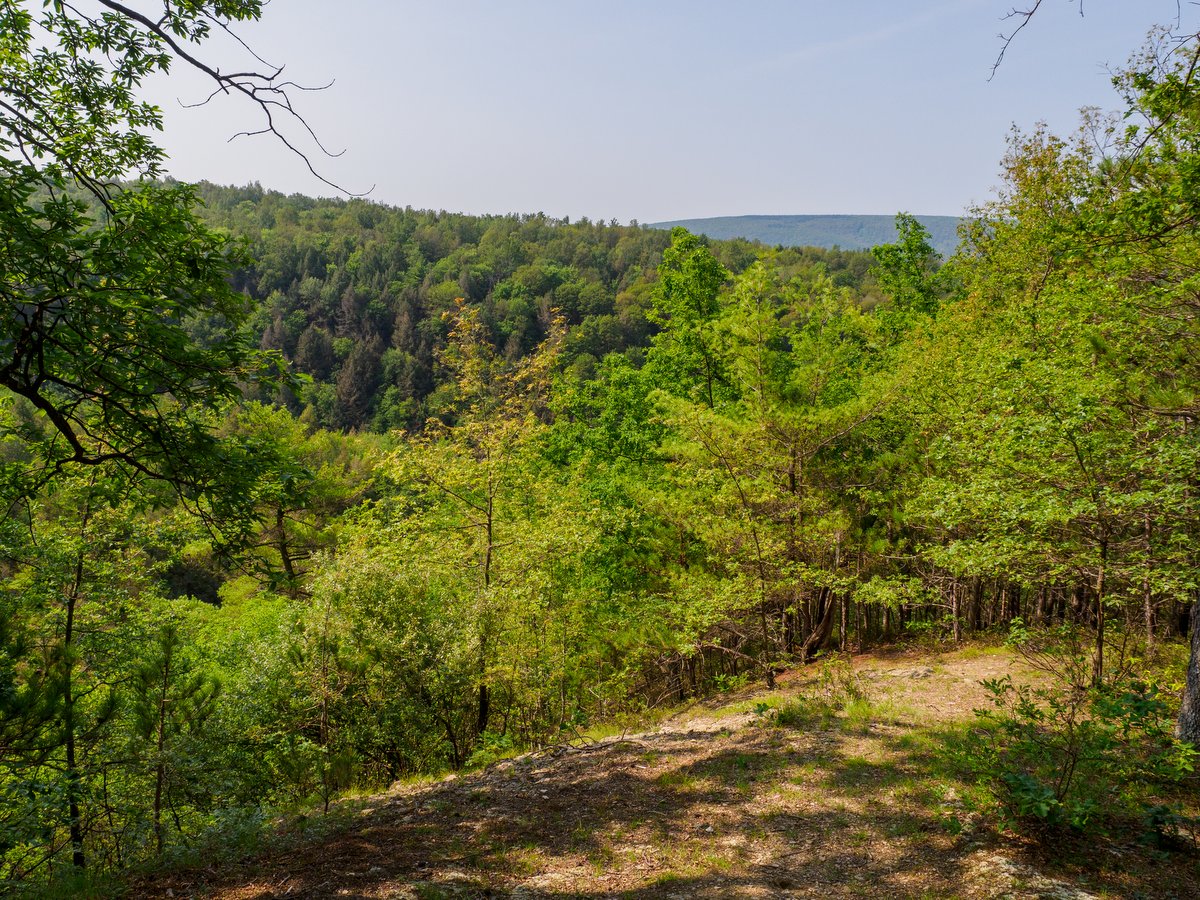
column 1003, row 879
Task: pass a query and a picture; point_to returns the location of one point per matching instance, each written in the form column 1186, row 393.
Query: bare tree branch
column 263, row 89
column 1023, row 16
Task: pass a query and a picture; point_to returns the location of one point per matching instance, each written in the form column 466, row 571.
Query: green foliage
column 122, row 332
column 1089, row 757
column 106, row 316
column 80, row 111
column 686, row 358
column 329, row 276
column 124, row 343
column 492, row 747
column 838, row 690
column 626, row 468
column 168, row 704
column 909, row 274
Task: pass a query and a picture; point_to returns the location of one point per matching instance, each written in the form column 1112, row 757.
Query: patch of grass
column 904, row 828
column 428, row 891
column 803, row 771
column 630, row 722
column 855, row 714
column 861, row 714
column 854, row 765
column 837, row 689
column 678, row 780
column 690, row 858
column 72, row 885
column 522, row 861
column 615, row 728
column 928, row 749
column 917, row 792
column 838, row 820
column 760, row 706
column 801, row 713
column 857, row 775
column 601, row 859
column 741, row 770
column 975, row 651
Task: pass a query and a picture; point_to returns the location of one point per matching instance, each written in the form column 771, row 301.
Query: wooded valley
column 307, row 496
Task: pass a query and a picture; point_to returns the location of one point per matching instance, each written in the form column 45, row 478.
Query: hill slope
column 744, row 798
column 846, row 232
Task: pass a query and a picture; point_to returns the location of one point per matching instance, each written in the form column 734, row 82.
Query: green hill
column 357, row 295
column 846, row 232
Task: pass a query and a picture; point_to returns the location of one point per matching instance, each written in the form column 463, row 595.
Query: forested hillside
column 358, row 296
column 304, row 497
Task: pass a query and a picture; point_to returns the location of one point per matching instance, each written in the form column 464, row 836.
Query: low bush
column 838, row 688
column 1073, row 753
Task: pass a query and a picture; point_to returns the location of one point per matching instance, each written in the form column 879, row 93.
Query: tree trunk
column 954, row 612
column 824, row 628
column 1189, row 711
column 73, row 779
column 1098, row 660
column 160, row 766
column 842, row 640
column 1147, row 592
column 285, row 554
column 485, row 698
column 74, row 814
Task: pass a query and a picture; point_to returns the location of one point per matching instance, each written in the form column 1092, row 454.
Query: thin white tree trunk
column 1189, row 711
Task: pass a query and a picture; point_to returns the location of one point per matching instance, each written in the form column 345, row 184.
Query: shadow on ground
column 765, row 811
column 735, row 807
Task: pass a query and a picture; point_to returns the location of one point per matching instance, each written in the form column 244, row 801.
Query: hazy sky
column 659, row 109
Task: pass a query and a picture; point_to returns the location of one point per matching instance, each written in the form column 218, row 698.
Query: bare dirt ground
column 722, row 800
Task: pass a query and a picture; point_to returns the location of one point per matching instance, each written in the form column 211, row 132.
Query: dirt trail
column 718, row 801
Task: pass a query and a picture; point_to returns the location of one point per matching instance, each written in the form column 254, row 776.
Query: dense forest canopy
column 305, row 496
column 356, row 294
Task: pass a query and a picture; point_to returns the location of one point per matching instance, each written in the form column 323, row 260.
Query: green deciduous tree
column 122, row 341
column 910, row 275
column 1061, row 389
column 108, row 289
column 686, row 305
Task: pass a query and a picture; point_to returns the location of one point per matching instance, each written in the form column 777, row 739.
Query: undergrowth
column 1085, row 754
column 839, row 694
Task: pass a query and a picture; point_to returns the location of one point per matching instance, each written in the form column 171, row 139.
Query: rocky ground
column 751, row 796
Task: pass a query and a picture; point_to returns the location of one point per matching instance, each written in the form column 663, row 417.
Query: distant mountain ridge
column 844, row 231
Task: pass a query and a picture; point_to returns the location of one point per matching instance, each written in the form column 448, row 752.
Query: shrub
column 930, row 633
column 1071, row 754
column 838, row 688
column 492, row 748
